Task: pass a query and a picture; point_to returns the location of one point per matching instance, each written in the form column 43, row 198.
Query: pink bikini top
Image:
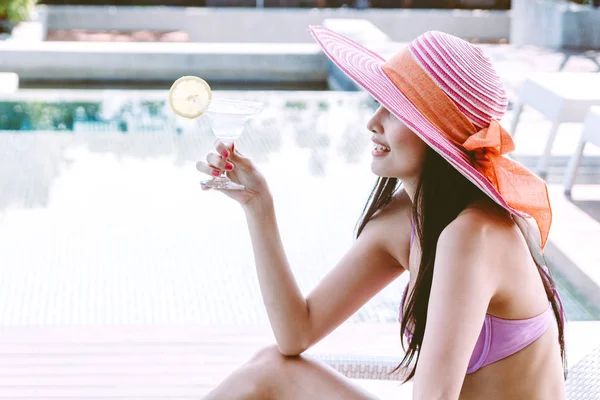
column 500, row 338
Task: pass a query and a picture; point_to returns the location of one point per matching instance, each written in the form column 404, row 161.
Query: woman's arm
column 298, row 323
column 464, row 280
column 368, row 266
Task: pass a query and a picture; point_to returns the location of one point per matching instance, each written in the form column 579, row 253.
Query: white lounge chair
column 590, row 134
column 363, row 367
column 583, row 382
column 561, row 97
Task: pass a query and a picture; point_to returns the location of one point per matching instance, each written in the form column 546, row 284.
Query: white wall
column 279, row 25
column 165, row 61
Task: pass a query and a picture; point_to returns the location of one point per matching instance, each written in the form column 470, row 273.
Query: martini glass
column 227, row 118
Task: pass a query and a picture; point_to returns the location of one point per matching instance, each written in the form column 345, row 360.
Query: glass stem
column 224, row 172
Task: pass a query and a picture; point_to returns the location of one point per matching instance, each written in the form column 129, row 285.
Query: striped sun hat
column 447, row 91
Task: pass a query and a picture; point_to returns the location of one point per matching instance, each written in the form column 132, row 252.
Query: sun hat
column 447, row 92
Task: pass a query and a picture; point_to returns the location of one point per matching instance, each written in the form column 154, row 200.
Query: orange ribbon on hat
column 488, row 145
column 521, row 189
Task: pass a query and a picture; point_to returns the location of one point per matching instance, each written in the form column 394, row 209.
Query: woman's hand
column 240, row 170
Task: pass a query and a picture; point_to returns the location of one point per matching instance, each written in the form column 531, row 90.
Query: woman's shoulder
column 392, row 226
column 476, row 245
column 399, row 208
column 494, row 243
column 486, row 226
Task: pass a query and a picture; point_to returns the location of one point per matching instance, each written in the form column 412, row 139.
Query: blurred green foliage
column 16, row 10
column 61, row 116
column 299, row 105
column 45, row 116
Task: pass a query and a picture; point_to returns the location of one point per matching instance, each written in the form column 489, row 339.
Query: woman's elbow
column 293, row 348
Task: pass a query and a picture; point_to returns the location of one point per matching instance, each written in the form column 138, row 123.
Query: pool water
column 102, row 219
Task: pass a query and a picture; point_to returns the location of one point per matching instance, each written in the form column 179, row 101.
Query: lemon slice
column 189, row 96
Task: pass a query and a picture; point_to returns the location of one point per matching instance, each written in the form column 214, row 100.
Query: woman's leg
column 270, row 375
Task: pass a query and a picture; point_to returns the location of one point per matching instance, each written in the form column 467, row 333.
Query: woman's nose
column 374, row 126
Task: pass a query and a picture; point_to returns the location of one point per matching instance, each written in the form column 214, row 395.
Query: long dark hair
column 441, row 194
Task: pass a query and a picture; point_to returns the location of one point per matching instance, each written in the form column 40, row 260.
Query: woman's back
column 530, row 372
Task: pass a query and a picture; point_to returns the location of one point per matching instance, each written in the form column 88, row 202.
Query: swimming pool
column 102, row 219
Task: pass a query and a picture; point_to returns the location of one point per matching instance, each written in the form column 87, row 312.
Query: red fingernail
column 228, row 166
column 225, row 153
column 216, row 172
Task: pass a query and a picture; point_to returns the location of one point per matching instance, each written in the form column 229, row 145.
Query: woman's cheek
column 408, row 154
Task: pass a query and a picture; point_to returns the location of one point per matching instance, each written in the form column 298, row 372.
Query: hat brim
column 365, row 68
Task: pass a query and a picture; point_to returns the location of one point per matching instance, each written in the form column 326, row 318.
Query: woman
column 480, row 318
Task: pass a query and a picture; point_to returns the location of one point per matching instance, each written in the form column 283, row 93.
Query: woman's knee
column 269, row 359
column 259, row 378
column 264, row 370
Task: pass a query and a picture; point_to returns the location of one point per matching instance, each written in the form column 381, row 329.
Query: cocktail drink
column 227, row 118
column 191, row 97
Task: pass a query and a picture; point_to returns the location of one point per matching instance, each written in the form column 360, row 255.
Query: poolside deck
column 180, row 362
